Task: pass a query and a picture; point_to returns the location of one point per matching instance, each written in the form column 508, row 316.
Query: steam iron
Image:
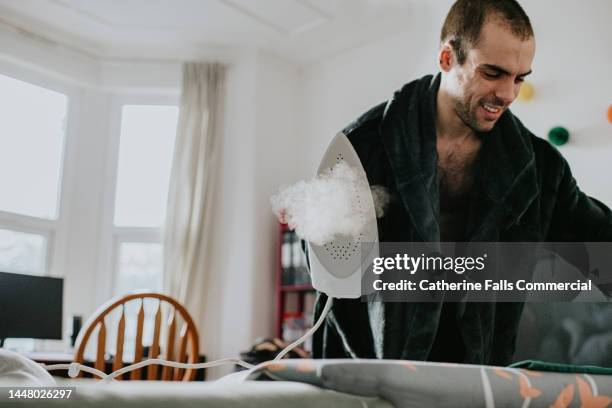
column 337, row 267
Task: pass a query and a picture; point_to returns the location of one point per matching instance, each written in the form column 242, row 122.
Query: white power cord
column 74, row 368
column 309, row 333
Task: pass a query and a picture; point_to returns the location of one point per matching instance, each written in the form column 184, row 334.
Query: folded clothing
column 17, row 370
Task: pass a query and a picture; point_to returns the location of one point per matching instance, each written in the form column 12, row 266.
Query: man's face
column 485, row 85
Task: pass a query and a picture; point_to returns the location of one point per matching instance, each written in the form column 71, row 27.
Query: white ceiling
column 300, row 30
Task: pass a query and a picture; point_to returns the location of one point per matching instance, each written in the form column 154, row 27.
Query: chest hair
column 456, row 166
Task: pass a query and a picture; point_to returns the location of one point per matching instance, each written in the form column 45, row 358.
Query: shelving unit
column 290, row 298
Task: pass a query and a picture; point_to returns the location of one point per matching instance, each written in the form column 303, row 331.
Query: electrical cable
column 74, row 368
column 309, row 333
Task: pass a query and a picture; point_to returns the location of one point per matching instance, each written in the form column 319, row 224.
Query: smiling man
column 460, row 167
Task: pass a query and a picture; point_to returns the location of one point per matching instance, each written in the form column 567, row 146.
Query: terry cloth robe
column 525, row 192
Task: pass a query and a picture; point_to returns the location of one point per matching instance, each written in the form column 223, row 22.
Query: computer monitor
column 30, row 306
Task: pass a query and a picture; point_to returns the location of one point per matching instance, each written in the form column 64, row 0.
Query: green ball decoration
column 558, row 135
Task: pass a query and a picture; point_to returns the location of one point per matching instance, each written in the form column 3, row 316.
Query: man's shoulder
column 366, row 128
column 367, row 123
column 364, row 135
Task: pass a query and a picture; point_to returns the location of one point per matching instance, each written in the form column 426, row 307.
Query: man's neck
column 449, row 126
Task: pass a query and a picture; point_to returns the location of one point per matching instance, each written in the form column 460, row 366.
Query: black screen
column 30, row 306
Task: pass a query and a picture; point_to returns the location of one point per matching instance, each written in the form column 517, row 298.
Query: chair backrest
column 187, row 341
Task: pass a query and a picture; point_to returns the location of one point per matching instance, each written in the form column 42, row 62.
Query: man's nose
column 507, row 91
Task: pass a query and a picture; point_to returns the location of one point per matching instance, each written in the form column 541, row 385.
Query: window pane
column 140, row 267
column 31, row 146
column 21, row 252
column 145, row 158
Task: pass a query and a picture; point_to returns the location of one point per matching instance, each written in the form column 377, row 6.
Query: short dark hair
column 465, row 19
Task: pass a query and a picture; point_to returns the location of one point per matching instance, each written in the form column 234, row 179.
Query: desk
column 50, row 357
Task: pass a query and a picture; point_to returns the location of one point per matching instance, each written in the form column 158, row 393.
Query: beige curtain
column 193, row 183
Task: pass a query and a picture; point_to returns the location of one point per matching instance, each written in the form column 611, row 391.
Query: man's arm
column 579, row 218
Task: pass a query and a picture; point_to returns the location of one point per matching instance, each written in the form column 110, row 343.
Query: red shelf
column 284, row 292
column 280, row 296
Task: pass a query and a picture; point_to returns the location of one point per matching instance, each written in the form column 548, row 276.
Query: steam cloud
column 324, row 208
column 381, row 198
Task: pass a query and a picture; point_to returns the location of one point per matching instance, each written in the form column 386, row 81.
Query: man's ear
column 446, row 57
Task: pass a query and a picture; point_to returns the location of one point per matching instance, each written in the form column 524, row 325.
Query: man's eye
column 492, row 75
column 520, row 80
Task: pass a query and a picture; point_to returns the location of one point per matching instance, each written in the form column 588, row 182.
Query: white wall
column 259, row 154
column 40, row 56
column 233, row 247
column 571, row 77
column 574, row 87
column 339, row 89
column 277, row 163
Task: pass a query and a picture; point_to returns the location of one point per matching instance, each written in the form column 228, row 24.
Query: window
column 21, row 252
column 145, row 158
column 146, row 146
column 31, row 148
column 32, row 138
column 140, row 266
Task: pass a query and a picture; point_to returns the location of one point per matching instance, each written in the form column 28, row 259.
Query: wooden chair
column 188, row 336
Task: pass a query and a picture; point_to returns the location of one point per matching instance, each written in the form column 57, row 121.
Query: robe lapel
column 408, row 134
column 507, row 173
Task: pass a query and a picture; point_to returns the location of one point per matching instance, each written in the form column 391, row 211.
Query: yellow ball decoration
column 526, row 92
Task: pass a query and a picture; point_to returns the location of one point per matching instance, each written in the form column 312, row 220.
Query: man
column 461, row 167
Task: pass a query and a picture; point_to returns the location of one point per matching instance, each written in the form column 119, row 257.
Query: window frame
column 114, row 236
column 55, row 230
